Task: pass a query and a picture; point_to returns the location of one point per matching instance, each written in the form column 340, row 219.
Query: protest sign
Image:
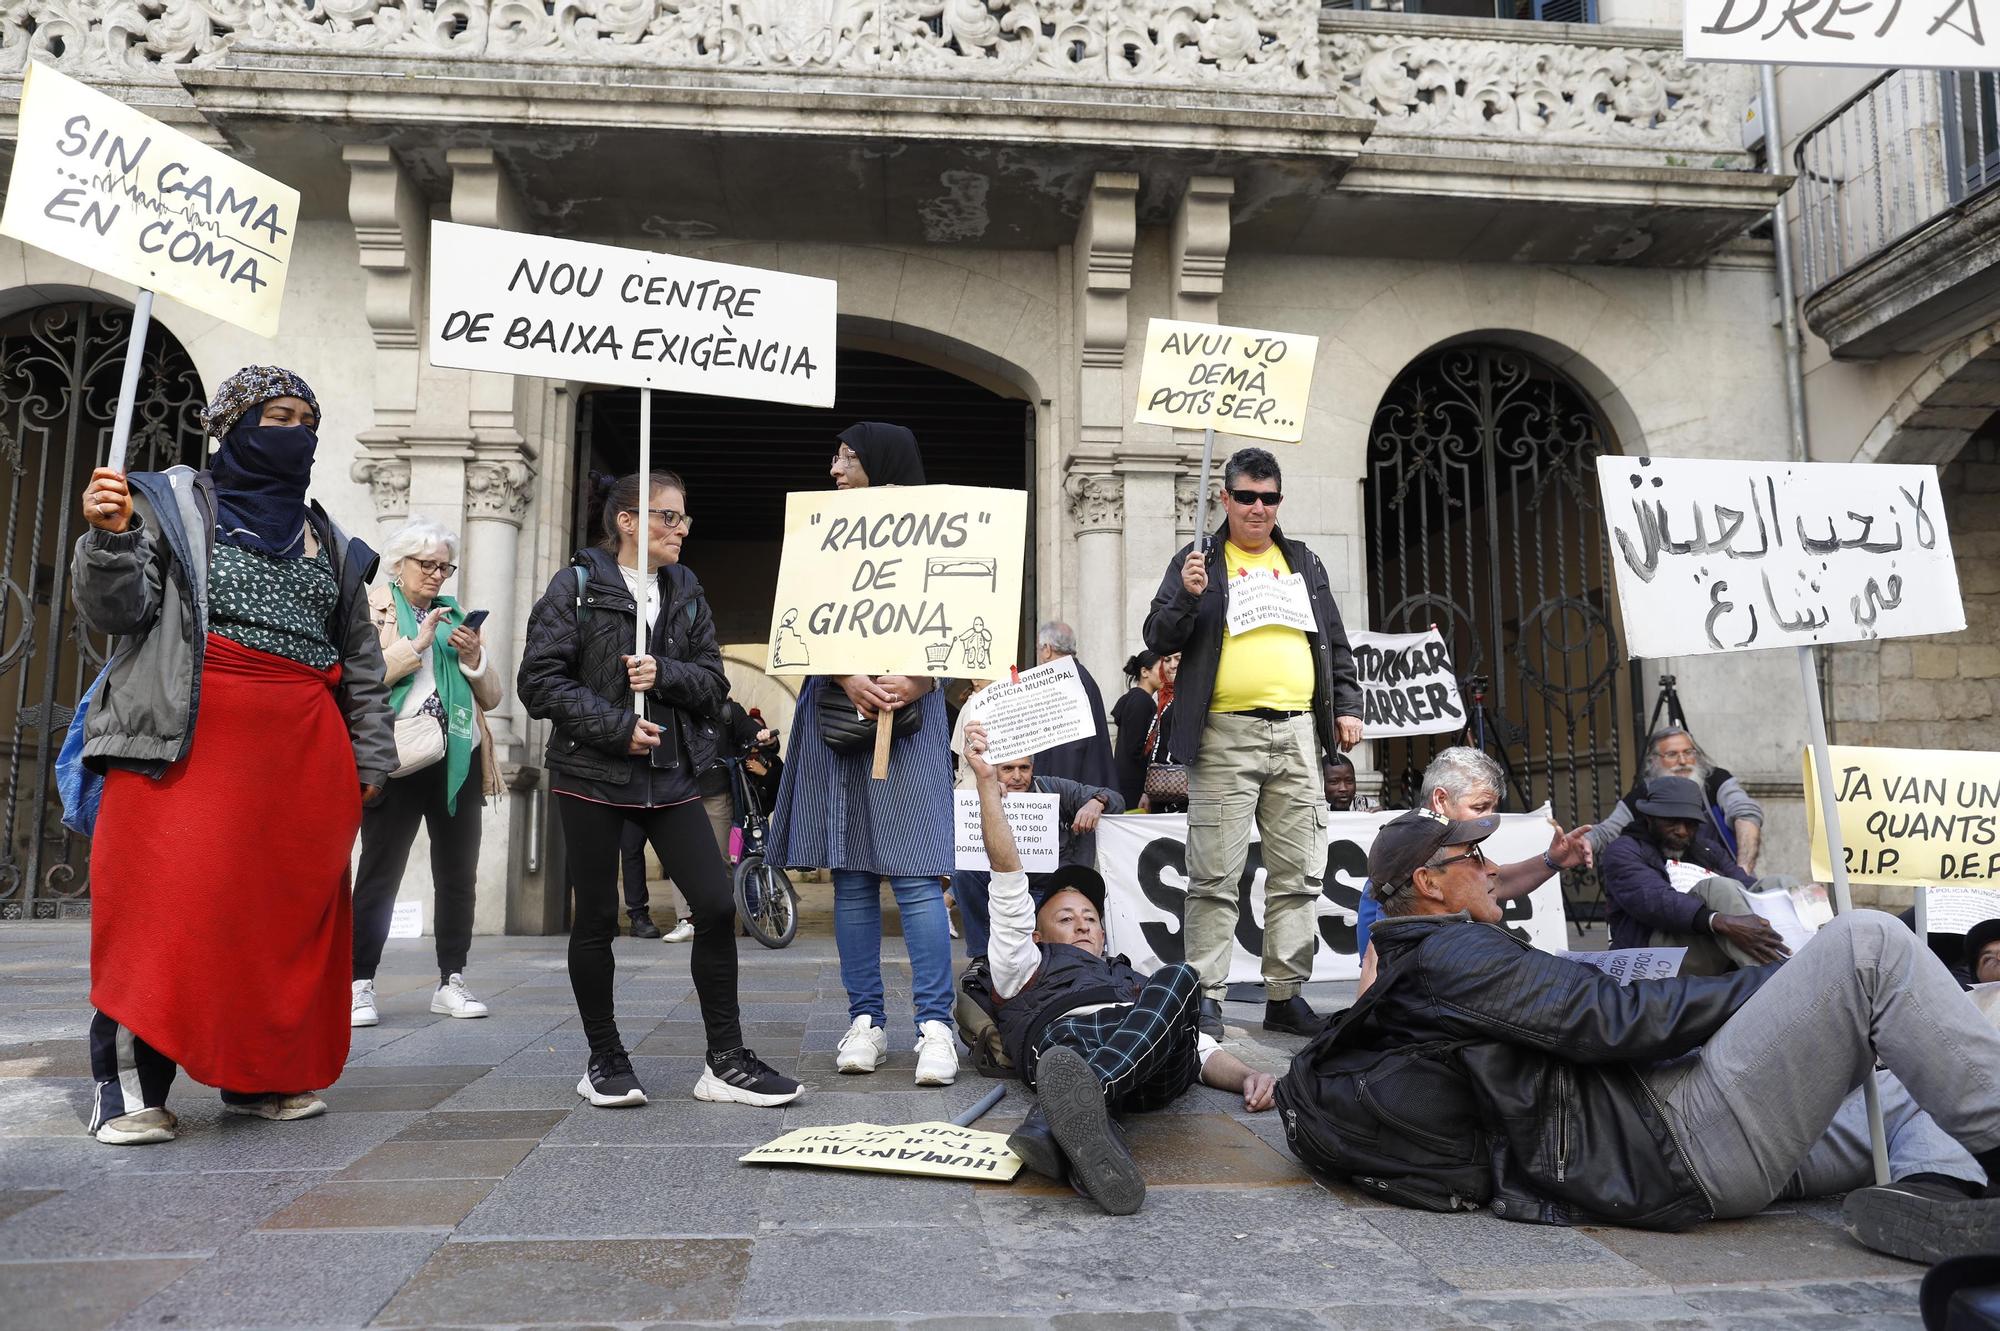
column 406, row 920
column 1257, row 601
column 1627, row 964
column 934, row 1150
column 513, row 303
column 1954, row 910
column 1036, row 821
column 1037, row 710
column 1143, row 858
column 1918, row 817
column 100, row 184
column 1237, row 380
column 1922, row 34
column 903, row 579
column 1407, row 684
column 1718, row 556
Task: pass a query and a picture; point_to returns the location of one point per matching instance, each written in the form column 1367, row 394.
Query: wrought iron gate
column 1483, row 519
column 59, row 372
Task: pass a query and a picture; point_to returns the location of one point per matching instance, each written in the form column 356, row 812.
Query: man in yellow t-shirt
column 1266, row 686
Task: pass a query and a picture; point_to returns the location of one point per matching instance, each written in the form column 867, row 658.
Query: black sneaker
column 643, row 926
column 1923, row 1220
column 1293, row 1016
column 740, row 1077
column 1035, row 1142
column 609, row 1082
column 1072, row 1098
column 1210, row 1021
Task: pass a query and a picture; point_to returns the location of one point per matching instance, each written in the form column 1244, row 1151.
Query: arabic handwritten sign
column 1918, row 817
column 1407, row 684
column 104, row 186
column 1724, row 556
column 564, row 309
column 1038, row 710
column 1236, row 380
column 934, row 1150
column 1258, row 600
column 899, row 579
column 1934, row 34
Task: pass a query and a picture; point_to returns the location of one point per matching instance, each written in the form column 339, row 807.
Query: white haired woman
column 438, row 670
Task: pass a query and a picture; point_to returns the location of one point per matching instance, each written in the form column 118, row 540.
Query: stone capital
column 1096, row 501
column 388, row 482
column 499, row 489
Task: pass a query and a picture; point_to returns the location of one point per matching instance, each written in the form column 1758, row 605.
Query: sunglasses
column 1249, row 498
column 1474, row 854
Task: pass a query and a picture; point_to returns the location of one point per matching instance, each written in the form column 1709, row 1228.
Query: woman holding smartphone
column 441, row 685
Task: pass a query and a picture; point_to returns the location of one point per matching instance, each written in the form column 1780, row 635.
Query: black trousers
column 387, row 832
column 130, row 1074
column 681, row 837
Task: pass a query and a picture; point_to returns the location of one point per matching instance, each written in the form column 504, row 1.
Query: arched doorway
column 59, row 374
column 1483, row 519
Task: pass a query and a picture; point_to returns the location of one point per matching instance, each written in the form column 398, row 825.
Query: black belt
column 1269, row 714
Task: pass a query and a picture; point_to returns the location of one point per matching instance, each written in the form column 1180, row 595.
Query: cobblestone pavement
column 459, row 1181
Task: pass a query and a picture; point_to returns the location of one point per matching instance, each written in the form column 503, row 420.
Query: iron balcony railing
column 1909, row 147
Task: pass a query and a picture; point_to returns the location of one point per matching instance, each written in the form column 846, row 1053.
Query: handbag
column 846, row 730
column 419, row 743
column 1166, row 782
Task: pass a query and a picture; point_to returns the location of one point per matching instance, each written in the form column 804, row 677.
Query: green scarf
column 453, row 692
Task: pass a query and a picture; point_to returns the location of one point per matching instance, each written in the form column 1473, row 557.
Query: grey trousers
column 1771, row 1106
column 1706, row 953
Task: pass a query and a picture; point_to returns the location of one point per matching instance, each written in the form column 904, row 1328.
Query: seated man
column 1735, row 820
column 1077, row 812
column 1478, row 1070
column 1338, row 774
column 1666, row 885
column 1092, row 1036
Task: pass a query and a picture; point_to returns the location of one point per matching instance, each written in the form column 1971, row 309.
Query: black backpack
column 1400, row 1121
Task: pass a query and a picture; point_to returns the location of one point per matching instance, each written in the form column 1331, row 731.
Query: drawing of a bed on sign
column 905, row 580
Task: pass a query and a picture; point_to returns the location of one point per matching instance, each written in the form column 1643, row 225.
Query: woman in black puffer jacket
column 613, row 765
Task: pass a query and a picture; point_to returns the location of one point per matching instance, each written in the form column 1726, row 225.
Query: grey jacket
column 1071, row 796
column 148, row 586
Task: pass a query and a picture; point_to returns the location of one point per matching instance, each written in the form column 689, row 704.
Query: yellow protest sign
column 935, row 1150
column 1235, row 380
column 98, row 183
column 1915, row 817
column 900, row 580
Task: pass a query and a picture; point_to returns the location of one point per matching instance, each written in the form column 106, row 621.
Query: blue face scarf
column 261, row 473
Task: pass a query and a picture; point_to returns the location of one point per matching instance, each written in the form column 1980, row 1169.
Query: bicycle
column 766, row 902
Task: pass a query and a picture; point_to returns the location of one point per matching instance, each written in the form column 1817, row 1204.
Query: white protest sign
column 1954, row 910
column 1038, row 710
column 1237, row 380
column 565, row 309
column 100, row 184
column 1923, row 34
column 1633, row 963
column 406, row 920
column 1036, row 821
column 1407, row 684
column 934, row 1150
column 899, row 580
column 1143, row 858
column 1257, row 600
column 1723, row 556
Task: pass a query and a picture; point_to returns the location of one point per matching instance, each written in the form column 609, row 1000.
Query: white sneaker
column 141, row 1128
column 363, row 1012
column 937, row 1054
column 862, row 1047
column 681, row 932
column 453, row 999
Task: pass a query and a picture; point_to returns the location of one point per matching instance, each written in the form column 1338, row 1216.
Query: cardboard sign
column 933, row 1150
column 1044, row 707
column 1235, row 380
column 1920, row 817
column 1259, row 601
column 1627, row 964
column 1036, row 821
column 406, row 920
column 1407, row 684
column 1954, row 910
column 1717, row 556
column 564, row 309
column 899, row 580
column 1932, row 34
column 100, row 184
column 1143, row 858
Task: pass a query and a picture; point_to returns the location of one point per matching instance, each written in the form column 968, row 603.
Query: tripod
column 1668, row 702
column 1484, row 724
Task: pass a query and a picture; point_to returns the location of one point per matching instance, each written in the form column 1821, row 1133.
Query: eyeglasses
column 684, row 521
column 432, row 568
column 1474, row 854
column 1250, row 498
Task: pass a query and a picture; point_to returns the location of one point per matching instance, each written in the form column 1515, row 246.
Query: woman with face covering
column 242, row 725
column 831, row 814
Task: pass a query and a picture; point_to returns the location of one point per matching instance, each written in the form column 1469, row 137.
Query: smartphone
column 474, row 619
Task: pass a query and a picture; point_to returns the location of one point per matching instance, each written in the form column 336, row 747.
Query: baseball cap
column 1673, row 797
column 1406, row 844
column 1074, row 878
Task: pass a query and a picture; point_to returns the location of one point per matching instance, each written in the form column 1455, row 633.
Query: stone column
column 1097, row 508
column 392, row 231
column 1105, row 239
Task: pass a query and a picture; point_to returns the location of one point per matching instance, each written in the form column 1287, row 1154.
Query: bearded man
column 1735, row 822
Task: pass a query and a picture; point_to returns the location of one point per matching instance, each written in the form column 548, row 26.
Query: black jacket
column 1551, row 1055
column 1068, row 978
column 1178, row 623
column 573, row 673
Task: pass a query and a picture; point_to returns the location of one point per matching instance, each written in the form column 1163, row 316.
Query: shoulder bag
column 846, row 730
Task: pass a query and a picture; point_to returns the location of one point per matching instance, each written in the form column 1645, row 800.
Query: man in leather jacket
column 1665, row 1102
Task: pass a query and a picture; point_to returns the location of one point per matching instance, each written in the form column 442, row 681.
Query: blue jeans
column 857, row 932
column 968, row 887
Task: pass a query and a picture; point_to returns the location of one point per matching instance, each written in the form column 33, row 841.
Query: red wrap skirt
column 221, row 927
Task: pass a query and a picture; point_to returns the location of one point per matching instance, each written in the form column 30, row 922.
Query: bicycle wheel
column 766, row 902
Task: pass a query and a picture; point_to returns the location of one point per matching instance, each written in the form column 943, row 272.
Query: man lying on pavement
column 1477, row 1070
column 1092, row 1036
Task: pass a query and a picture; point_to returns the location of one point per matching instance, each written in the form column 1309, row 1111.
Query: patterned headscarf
column 252, row 386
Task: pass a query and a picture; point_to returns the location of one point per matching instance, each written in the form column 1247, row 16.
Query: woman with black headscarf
column 831, row 814
column 241, row 725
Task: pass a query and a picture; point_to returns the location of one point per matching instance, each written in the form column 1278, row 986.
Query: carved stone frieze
column 1096, row 501
column 499, row 489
